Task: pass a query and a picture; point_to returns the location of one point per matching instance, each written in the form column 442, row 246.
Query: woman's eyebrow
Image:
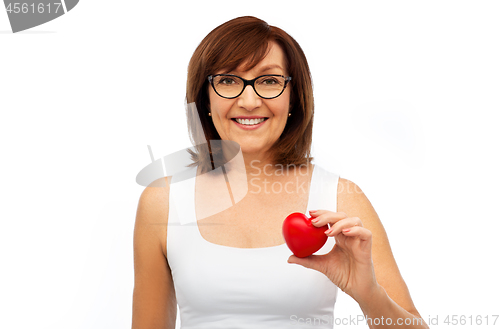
column 263, row 69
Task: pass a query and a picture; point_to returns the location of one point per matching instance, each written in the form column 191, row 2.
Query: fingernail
column 346, row 230
column 312, row 210
column 314, row 220
column 328, row 231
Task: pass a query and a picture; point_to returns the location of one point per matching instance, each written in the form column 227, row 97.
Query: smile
column 249, row 123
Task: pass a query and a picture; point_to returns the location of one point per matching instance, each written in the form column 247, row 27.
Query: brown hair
column 245, row 40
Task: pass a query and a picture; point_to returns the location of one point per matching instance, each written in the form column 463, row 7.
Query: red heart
column 301, row 236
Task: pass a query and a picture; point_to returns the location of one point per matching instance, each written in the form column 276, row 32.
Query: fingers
column 343, row 224
column 313, row 261
column 339, row 223
column 357, row 231
column 322, row 217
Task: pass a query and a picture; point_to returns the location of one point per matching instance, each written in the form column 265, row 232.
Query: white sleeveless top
column 228, row 287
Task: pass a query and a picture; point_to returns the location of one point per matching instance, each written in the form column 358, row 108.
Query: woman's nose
column 249, row 99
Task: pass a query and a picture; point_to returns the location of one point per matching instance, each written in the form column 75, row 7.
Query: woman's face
column 253, row 140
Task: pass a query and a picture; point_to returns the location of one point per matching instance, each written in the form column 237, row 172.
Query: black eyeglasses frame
column 248, row 83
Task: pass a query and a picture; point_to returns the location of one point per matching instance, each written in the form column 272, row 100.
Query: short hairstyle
column 245, row 40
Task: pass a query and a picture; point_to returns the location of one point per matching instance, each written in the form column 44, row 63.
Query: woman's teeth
column 249, row 122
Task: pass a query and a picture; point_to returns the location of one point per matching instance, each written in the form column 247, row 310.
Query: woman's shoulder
column 344, row 185
column 347, row 188
column 152, row 211
column 349, row 194
column 156, row 192
column 352, row 201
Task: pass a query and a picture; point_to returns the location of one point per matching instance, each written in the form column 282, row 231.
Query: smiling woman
column 232, row 269
column 249, row 48
column 266, row 118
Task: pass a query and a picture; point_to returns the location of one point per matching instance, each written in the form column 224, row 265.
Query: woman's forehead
column 272, row 63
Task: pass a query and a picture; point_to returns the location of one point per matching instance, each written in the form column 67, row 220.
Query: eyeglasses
column 265, row 86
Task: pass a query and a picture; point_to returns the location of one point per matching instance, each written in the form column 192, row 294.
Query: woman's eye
column 226, row 81
column 270, row 81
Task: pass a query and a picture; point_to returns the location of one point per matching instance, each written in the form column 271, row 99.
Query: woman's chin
column 252, row 150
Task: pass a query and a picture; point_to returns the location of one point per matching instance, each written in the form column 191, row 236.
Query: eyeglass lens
column 230, row 86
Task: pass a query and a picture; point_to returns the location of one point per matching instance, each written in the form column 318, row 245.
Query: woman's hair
column 245, row 40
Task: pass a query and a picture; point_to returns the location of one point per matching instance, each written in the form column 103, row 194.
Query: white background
column 407, row 103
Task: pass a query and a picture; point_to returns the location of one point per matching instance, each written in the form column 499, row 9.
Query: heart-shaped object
column 301, row 236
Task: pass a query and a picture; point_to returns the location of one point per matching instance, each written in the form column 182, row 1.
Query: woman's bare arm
column 353, row 202
column 154, row 302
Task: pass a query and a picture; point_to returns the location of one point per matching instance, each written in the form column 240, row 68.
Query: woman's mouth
column 249, row 123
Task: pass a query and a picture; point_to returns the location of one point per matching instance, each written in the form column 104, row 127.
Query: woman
column 231, row 269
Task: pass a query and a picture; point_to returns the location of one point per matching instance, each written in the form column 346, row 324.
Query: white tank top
column 225, row 287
